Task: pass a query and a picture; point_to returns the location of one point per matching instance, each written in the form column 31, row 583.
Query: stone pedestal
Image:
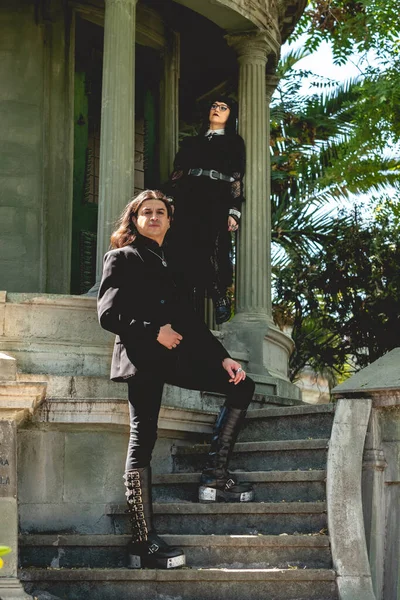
column 17, row 401
column 252, row 327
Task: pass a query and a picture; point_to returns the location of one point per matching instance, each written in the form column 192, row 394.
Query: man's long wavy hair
column 126, row 232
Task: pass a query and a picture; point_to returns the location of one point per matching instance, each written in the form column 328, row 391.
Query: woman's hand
column 232, row 225
column 234, row 370
column 168, row 337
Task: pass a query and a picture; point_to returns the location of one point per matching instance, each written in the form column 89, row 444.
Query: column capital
column 122, row 2
column 253, row 46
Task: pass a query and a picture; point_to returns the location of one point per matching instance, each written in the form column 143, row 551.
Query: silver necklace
column 163, row 261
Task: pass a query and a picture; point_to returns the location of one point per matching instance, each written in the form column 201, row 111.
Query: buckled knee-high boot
column 216, row 483
column 146, row 549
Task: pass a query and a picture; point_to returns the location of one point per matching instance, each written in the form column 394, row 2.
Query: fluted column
column 169, row 102
column 271, row 84
column 116, row 184
column 252, row 331
column 253, row 288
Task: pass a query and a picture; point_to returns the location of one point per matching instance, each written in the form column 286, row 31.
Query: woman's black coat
column 137, row 296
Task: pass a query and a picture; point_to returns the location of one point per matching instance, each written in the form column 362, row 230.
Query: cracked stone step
column 285, row 455
column 269, row 518
column 288, row 423
column 269, row 486
column 176, row 584
column 222, row 551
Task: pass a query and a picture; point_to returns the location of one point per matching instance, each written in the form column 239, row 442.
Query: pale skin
column 218, row 119
column 152, row 221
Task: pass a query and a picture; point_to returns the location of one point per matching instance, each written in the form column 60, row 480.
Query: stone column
column 116, row 185
column 252, row 330
column 169, row 102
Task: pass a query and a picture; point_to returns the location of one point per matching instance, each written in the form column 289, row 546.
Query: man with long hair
column 160, row 339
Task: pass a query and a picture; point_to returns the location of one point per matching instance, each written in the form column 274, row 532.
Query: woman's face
column 152, row 220
column 219, row 114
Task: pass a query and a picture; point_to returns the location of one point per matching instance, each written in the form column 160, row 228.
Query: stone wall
column 21, row 147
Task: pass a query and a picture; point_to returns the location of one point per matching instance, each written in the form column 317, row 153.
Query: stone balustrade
column 364, row 489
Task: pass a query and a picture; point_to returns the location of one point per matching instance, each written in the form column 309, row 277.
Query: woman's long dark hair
column 125, row 232
column 231, row 124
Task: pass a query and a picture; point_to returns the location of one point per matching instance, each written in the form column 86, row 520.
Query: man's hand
column 232, row 224
column 168, row 337
column 234, row 370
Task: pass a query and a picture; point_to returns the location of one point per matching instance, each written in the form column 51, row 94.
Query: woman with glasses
column 206, row 186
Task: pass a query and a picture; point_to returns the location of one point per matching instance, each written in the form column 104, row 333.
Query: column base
column 11, row 589
column 268, row 350
column 92, row 293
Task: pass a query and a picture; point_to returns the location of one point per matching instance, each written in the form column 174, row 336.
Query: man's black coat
column 137, row 296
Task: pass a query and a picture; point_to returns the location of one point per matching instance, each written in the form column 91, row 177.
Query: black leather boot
column 216, row 483
column 146, row 549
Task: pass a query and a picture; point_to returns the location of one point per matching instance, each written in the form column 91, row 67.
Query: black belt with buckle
column 211, row 174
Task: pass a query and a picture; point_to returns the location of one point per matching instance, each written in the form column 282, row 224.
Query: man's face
column 152, row 220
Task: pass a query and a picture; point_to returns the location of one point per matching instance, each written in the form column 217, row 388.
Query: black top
column 223, row 153
column 137, row 296
column 202, row 204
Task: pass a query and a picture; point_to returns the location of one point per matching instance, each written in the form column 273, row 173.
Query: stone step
column 277, row 455
column 288, row 423
column 219, row 551
column 91, row 387
column 269, row 518
column 176, row 584
column 269, row 486
column 214, row 401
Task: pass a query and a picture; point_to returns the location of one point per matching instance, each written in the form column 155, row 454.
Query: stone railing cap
column 381, row 375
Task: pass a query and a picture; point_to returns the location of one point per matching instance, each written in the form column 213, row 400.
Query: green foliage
column 335, row 282
column 370, row 29
column 344, row 299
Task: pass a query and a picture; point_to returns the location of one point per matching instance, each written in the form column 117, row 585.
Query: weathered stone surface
column 8, row 367
column 8, row 459
column 21, row 147
column 218, row 551
column 281, row 455
column 254, row 518
column 188, row 584
column 380, row 378
column 346, row 527
column 291, row 423
column 40, row 466
column 39, row 595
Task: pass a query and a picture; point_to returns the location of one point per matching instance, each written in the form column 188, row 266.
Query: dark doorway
column 89, row 41
column 87, row 111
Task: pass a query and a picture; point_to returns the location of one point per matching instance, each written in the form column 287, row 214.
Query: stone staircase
column 276, row 548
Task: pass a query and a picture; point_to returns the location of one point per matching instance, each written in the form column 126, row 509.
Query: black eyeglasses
column 221, row 107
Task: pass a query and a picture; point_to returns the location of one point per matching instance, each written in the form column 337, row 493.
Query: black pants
column 145, row 392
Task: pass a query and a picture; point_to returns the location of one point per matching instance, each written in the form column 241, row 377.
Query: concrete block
column 67, row 517
column 40, row 466
column 94, row 465
column 9, row 535
column 8, row 367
